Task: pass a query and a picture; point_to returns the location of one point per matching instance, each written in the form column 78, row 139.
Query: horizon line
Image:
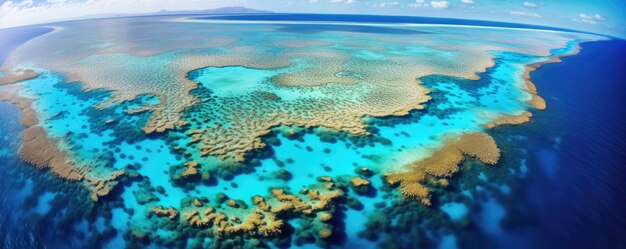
column 482, row 22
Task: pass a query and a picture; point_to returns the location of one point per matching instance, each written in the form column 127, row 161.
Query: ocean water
column 559, row 177
column 576, row 150
column 374, row 19
column 13, row 38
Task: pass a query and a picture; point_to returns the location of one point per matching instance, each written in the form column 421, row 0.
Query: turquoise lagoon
column 336, row 100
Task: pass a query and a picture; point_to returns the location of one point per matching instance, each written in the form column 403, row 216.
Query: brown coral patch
column 11, row 94
column 358, row 182
column 102, row 187
column 42, row 152
column 191, row 169
column 170, row 213
column 443, row 163
column 511, row 120
column 17, row 76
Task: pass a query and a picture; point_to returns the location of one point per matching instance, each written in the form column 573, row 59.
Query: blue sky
column 606, row 17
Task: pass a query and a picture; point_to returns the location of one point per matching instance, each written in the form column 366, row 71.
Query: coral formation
column 37, row 148
column 44, row 152
column 191, row 169
column 361, row 186
column 266, row 219
column 102, row 187
column 197, row 202
column 41, row 151
column 359, row 182
column 237, row 123
column 170, row 213
column 537, row 101
column 17, row 76
column 444, row 163
column 511, row 119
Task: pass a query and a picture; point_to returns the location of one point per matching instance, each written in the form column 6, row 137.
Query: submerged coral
column 511, row 119
column 44, row 152
column 102, row 187
column 170, row 213
column 265, row 219
column 37, row 148
column 444, row 163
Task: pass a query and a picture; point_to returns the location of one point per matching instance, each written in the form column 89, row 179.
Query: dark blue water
column 375, row 19
column 309, row 29
column 578, row 149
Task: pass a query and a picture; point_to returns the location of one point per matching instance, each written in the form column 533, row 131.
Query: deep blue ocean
column 573, row 197
column 374, row 19
column 577, row 148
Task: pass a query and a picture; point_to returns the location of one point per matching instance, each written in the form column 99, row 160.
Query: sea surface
column 577, row 150
column 559, row 182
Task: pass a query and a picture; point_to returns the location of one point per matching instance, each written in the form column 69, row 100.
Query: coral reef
column 316, row 71
column 237, row 123
column 537, row 101
column 43, row 152
column 170, row 213
column 102, row 187
column 359, row 182
column 265, row 219
column 17, row 76
column 510, row 119
column 360, row 185
column 37, row 148
column 444, row 163
column 191, row 169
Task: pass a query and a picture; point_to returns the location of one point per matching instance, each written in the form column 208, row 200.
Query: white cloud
column 467, row 1
column 599, row 17
column 387, row 4
column 589, row 19
column 418, row 4
column 530, row 4
column 341, row 1
column 439, row 4
column 522, row 13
